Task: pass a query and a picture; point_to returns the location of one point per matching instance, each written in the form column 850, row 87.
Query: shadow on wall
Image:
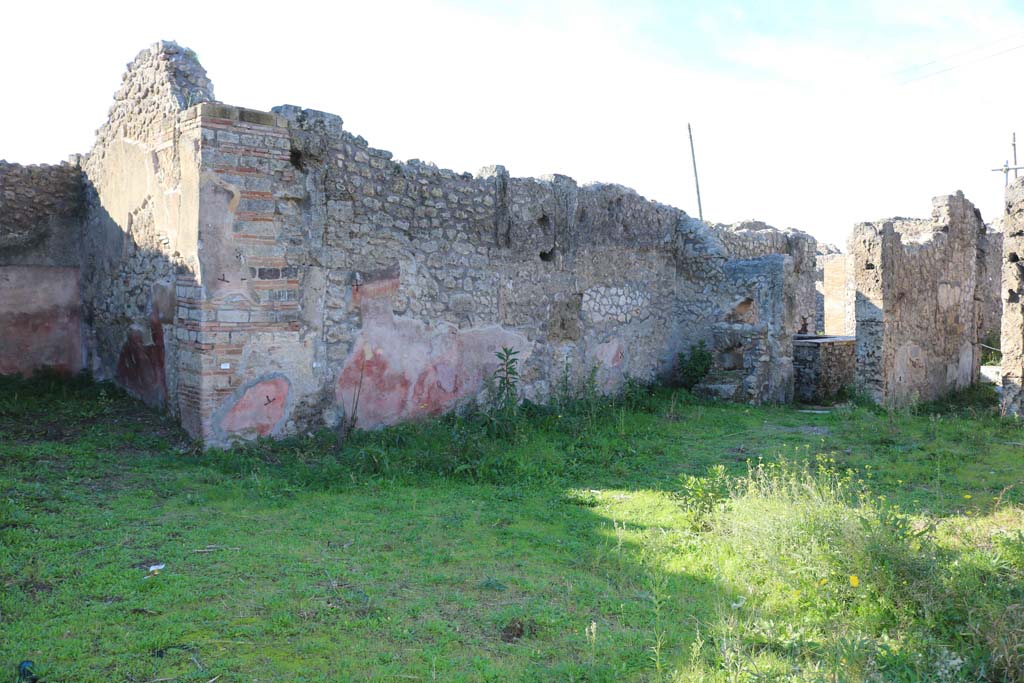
column 129, row 303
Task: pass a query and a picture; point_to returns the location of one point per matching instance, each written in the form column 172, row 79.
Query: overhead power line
column 961, row 53
column 962, row 64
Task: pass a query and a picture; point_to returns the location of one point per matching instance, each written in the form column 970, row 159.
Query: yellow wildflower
column 854, row 581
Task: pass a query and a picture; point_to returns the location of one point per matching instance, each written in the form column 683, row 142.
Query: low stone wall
column 824, row 367
column 916, row 312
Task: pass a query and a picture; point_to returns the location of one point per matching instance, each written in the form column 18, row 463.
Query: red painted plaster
column 611, row 353
column 259, row 410
column 140, row 367
column 402, row 368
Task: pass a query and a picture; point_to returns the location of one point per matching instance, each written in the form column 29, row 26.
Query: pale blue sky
column 814, row 115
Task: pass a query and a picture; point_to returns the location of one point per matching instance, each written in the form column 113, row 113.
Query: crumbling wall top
column 162, row 80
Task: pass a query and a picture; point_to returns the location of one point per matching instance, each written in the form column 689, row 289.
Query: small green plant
column 657, row 586
column 694, row 366
column 502, row 391
column 702, row 495
column 506, row 379
column 990, row 350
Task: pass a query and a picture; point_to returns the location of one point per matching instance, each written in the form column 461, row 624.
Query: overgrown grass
column 651, row 538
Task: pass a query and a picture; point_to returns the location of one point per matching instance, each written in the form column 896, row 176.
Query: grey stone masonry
column 40, row 214
column 1012, row 338
column 754, row 239
column 988, row 295
column 265, row 273
column 824, row 366
column 917, row 317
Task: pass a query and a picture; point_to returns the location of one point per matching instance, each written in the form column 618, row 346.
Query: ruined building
column 253, row 273
column 265, row 273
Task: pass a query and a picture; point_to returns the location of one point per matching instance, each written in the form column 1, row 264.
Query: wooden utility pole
column 693, row 155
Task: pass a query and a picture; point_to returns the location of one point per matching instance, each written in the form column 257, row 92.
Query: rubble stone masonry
column 264, row 273
column 917, row 319
column 1012, row 343
column 40, row 233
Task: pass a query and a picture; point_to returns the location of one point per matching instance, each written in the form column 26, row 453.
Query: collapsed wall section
column 40, row 234
column 917, row 319
column 338, row 284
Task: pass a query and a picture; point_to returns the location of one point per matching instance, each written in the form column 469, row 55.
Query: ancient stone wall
column 916, row 314
column 824, row 367
column 752, row 347
column 40, row 235
column 264, row 273
column 1012, row 295
column 40, row 214
column 337, row 281
column 141, row 224
column 989, row 292
column 754, row 239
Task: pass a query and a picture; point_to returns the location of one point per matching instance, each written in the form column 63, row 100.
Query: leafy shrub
column 694, row 366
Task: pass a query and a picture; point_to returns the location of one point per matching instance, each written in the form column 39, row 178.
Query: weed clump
column 694, row 366
column 830, row 575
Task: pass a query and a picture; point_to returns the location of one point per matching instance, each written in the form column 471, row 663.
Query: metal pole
column 1015, row 154
column 693, row 155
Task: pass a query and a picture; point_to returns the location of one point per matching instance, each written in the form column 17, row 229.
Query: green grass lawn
column 646, row 539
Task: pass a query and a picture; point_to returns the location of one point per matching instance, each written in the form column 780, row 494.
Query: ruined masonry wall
column 754, row 239
column 264, row 273
column 917, row 320
column 824, row 253
column 331, row 272
column 989, row 295
column 825, row 367
column 40, row 214
column 141, row 233
column 1012, row 339
column 40, row 231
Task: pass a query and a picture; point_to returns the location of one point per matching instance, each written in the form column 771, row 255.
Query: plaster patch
column 259, row 410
